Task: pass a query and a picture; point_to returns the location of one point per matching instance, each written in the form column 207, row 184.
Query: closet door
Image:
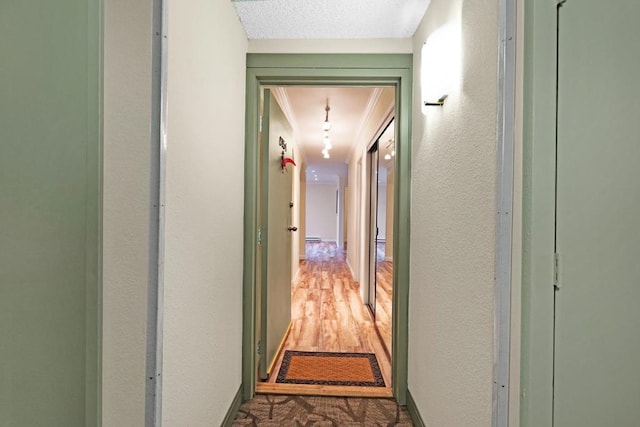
column 372, row 167
column 50, row 196
column 597, row 320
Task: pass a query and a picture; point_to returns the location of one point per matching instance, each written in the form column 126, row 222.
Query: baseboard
column 413, row 411
column 279, row 350
column 353, row 276
column 233, row 409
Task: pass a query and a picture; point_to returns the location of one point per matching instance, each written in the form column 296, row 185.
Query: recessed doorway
column 342, row 71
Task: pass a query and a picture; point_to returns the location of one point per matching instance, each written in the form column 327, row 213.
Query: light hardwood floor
column 327, row 314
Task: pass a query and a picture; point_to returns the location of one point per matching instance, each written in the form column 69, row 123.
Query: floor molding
column 351, row 270
column 413, row 411
column 233, row 409
column 276, row 357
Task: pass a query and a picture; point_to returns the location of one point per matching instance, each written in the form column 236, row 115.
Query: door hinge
column 259, row 236
column 557, row 273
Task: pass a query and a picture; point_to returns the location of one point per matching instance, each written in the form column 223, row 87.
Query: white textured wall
column 331, row 46
column 453, row 226
column 126, row 198
column 322, row 220
column 204, row 211
column 377, row 120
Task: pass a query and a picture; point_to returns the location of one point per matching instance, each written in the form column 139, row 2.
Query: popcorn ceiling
column 318, row 19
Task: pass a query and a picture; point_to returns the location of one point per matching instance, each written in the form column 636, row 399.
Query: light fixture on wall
column 326, row 126
column 440, row 65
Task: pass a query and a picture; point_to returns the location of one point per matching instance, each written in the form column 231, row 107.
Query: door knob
column 292, row 228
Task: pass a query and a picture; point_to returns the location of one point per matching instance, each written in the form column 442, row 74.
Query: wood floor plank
column 328, row 315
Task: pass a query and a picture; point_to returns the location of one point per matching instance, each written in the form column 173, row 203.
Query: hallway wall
column 321, row 220
column 357, row 221
column 127, row 202
column 453, row 226
column 204, row 212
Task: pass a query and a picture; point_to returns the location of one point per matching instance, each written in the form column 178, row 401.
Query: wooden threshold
column 323, row 390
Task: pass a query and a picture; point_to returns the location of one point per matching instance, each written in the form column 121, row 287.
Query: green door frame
column 394, row 70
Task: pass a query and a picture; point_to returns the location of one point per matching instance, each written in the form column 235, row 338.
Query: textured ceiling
column 335, row 19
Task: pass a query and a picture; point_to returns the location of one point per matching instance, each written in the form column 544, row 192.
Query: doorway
column 319, row 306
column 334, row 70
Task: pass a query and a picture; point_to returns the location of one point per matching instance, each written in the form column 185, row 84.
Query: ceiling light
column 327, row 144
column 325, row 151
column 326, row 155
column 387, row 156
column 326, row 125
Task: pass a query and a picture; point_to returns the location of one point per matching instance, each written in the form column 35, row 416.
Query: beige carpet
column 272, row 411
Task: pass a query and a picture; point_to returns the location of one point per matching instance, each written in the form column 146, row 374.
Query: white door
column 597, row 317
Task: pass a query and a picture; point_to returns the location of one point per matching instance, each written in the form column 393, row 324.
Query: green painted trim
column 329, row 61
column 95, row 149
column 334, row 70
column 232, row 412
column 250, row 237
column 416, row 418
column 536, row 401
column 262, row 205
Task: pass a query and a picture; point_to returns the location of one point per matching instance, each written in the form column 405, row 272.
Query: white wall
column 331, row 46
column 356, row 222
column 126, row 209
column 204, row 211
column 322, row 220
column 453, row 226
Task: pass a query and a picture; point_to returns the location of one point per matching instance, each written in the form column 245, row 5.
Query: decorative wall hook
column 285, row 161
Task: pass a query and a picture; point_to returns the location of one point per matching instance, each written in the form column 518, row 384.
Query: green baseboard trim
column 233, row 409
column 413, row 411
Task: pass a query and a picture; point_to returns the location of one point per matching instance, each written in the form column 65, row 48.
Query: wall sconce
column 440, row 65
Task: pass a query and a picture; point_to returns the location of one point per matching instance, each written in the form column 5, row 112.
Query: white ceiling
column 334, row 19
column 304, row 107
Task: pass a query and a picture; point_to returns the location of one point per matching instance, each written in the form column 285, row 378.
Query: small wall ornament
column 284, row 160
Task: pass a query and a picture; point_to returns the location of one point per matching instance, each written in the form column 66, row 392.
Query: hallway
column 328, row 315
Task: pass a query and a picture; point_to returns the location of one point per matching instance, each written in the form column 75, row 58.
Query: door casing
column 394, row 70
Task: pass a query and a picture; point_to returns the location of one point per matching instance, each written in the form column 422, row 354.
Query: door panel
column 373, row 225
column 276, row 237
column 597, row 347
column 49, row 218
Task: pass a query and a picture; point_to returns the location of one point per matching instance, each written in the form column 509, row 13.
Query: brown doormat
column 350, row 369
